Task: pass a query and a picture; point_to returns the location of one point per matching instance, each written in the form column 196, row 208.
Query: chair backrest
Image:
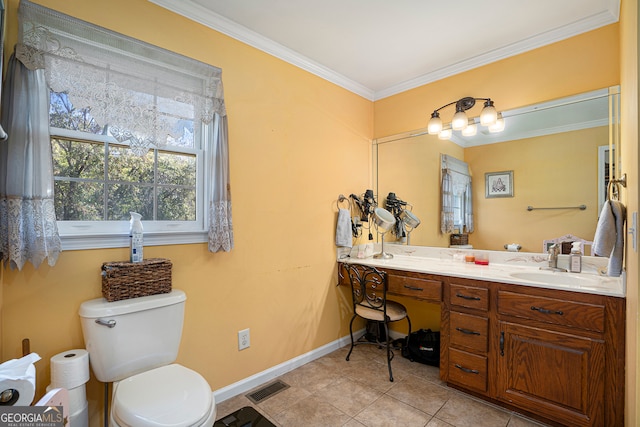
column 368, row 286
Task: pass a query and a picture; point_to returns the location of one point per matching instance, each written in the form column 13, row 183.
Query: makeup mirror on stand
column 383, row 220
column 410, row 221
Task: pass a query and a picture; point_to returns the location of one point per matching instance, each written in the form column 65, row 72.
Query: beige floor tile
column 353, row 423
column 311, row 377
column 424, row 395
column 311, row 412
column 331, row 392
column 438, row 423
column 462, row 411
column 277, row 403
column 349, row 395
column 389, row 412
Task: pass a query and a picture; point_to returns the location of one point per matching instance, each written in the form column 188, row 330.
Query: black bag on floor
column 423, row 346
column 375, row 332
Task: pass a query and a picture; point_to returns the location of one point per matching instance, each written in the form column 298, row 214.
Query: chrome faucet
column 554, row 251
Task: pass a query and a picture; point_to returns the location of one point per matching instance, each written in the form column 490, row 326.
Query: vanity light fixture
column 489, row 117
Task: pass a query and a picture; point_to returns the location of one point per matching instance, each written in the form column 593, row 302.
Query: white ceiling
column 377, row 48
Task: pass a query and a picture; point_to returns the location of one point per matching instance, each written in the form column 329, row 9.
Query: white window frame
column 79, row 235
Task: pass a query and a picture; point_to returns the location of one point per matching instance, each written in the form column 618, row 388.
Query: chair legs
column 351, row 334
column 388, row 342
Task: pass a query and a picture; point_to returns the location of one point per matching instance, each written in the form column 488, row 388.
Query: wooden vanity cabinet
column 465, row 332
column 560, row 354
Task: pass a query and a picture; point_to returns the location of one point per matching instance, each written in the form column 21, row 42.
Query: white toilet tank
column 127, row 337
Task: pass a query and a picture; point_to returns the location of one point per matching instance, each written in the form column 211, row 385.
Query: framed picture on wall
column 499, row 184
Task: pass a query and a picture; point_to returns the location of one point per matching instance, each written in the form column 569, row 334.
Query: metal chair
column 369, row 291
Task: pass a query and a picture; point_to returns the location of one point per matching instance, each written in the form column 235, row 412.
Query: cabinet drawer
column 469, row 331
column 426, row 289
column 550, row 310
column 469, row 296
column 468, row 370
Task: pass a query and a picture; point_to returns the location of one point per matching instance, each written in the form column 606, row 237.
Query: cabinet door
column 560, row 375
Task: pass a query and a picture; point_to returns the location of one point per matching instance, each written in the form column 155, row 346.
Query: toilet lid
column 169, row 396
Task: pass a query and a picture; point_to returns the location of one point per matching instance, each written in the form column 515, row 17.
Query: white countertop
column 519, row 268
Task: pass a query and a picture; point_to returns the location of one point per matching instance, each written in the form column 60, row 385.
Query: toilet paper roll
column 18, row 380
column 20, row 392
column 77, row 397
column 70, row 369
column 80, row 418
column 513, row 247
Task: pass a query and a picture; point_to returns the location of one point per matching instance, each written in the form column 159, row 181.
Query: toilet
column 134, row 344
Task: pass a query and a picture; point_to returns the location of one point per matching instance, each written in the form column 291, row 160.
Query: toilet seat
column 168, row 396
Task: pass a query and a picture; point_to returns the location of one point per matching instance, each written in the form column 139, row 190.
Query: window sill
column 103, row 241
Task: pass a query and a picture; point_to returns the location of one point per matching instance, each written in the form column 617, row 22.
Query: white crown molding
column 232, row 29
column 543, row 39
column 223, row 25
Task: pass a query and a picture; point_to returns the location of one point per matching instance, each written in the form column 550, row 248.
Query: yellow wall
column 579, row 64
column 296, row 143
column 554, row 170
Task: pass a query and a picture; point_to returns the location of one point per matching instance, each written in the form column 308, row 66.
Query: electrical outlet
column 243, row 339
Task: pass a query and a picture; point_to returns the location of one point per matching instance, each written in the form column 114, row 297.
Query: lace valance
column 129, row 86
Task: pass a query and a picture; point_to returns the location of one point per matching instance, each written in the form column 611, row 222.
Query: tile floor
column 332, row 392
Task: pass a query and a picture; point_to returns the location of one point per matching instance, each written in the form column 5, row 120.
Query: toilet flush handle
column 108, row 323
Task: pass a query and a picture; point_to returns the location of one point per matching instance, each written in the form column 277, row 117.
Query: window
column 99, row 180
column 134, row 128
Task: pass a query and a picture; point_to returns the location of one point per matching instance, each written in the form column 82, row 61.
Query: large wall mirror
column 559, row 153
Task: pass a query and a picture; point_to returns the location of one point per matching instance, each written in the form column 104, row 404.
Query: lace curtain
column 456, row 184
column 125, row 83
column 28, row 229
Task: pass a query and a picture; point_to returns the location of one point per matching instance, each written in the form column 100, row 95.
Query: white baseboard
column 267, row 375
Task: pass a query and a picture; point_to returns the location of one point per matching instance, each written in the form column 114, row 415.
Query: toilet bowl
column 171, row 395
column 134, row 343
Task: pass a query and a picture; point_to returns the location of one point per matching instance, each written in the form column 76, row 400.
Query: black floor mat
column 245, row 417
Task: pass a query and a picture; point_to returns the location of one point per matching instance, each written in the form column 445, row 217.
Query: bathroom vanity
column 548, row 344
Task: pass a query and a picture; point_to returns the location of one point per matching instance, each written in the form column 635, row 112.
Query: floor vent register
column 267, row 391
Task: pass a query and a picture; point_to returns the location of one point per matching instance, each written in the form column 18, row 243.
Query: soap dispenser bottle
column 135, row 237
column 575, row 258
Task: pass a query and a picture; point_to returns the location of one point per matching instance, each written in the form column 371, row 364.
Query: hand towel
column 343, row 229
column 609, row 237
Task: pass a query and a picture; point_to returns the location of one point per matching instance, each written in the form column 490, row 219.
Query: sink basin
column 561, row 278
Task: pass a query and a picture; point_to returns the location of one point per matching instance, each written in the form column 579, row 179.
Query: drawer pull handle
column 502, row 343
column 545, row 311
column 467, row 370
column 467, row 331
column 468, row 297
column 413, row 288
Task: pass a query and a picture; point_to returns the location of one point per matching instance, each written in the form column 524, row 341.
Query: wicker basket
column 457, row 239
column 124, row 280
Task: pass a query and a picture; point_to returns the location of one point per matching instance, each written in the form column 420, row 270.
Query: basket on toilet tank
column 123, row 280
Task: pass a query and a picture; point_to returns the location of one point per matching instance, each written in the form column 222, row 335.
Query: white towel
column 609, row 238
column 343, row 229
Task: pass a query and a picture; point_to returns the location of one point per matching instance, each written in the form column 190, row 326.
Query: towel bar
column 581, row 207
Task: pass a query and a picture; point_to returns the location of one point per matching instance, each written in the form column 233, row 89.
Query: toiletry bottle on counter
column 575, row 258
column 135, row 237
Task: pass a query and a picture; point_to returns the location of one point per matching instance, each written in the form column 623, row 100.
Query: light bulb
column 445, row 134
column 489, row 115
column 470, row 130
column 435, row 124
column 459, row 120
column 498, row 126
